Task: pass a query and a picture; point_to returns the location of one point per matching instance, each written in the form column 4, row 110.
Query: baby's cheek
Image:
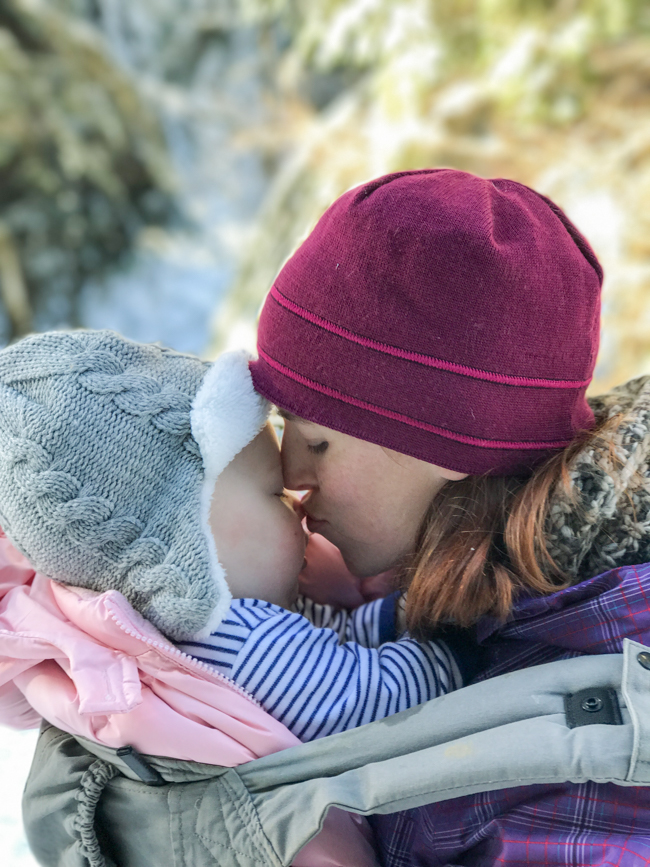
column 234, row 529
column 293, row 543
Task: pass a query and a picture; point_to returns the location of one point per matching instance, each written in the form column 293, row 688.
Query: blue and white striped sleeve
column 306, row 679
column 363, row 624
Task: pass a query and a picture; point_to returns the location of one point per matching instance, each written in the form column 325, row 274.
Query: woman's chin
column 361, row 560
column 363, row 564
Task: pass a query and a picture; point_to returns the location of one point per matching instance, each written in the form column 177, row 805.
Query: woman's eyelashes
column 319, row 448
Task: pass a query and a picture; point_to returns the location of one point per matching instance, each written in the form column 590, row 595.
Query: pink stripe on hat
column 396, row 416
column 418, row 356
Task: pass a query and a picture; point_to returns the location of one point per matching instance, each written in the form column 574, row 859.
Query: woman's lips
column 314, row 525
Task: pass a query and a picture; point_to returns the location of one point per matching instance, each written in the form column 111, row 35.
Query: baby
column 133, row 468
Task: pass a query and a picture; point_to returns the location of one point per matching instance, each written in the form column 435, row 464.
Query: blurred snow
column 16, row 749
column 166, row 295
column 202, row 74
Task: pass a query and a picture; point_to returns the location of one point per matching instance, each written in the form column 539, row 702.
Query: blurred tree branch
column 12, row 284
column 83, row 162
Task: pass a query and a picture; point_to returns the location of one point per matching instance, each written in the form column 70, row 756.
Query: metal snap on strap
column 643, row 659
column 594, row 706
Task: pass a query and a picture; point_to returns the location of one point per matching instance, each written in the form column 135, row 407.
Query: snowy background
column 16, row 749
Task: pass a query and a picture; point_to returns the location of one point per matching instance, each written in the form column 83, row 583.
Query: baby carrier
column 88, row 804
column 586, row 718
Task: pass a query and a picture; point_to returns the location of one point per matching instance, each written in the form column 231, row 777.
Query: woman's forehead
column 296, row 419
column 304, row 422
column 288, row 416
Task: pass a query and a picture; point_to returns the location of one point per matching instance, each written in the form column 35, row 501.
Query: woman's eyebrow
column 286, row 415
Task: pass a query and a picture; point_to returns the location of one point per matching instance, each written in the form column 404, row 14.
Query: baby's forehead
column 262, row 455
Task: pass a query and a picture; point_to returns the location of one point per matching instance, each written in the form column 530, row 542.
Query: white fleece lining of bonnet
column 227, row 413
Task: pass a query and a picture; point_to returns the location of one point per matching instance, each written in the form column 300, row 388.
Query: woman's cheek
column 342, row 497
column 363, row 519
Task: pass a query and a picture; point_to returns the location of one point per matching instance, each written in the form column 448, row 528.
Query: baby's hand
column 326, row 579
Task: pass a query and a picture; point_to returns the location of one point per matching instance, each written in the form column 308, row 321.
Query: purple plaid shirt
column 577, row 825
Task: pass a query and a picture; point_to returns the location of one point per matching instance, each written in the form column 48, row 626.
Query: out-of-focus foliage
column 82, row 162
column 554, row 93
column 321, row 96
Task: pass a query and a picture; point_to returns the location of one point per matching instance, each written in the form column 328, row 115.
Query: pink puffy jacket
column 90, row 665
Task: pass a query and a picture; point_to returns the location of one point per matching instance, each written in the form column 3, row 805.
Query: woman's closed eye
column 319, row 448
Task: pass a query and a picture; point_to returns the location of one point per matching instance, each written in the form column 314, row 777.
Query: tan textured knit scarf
column 605, row 522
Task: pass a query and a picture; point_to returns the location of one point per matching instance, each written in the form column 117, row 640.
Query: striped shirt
column 320, row 671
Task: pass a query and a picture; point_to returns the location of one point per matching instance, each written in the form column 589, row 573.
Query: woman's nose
column 296, row 474
column 296, row 465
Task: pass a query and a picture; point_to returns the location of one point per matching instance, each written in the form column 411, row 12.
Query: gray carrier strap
column 505, row 732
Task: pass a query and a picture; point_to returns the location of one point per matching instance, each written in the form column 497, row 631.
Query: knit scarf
column 603, row 519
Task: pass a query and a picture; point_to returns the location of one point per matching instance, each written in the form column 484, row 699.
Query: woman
column 430, row 345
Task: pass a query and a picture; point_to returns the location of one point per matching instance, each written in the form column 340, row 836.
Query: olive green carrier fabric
column 84, row 806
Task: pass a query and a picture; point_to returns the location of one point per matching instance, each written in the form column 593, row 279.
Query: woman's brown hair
column 482, row 541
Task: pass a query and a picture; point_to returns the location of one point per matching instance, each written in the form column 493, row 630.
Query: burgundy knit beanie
column 445, row 316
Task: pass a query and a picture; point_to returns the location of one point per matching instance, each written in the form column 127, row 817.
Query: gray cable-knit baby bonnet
column 109, row 450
